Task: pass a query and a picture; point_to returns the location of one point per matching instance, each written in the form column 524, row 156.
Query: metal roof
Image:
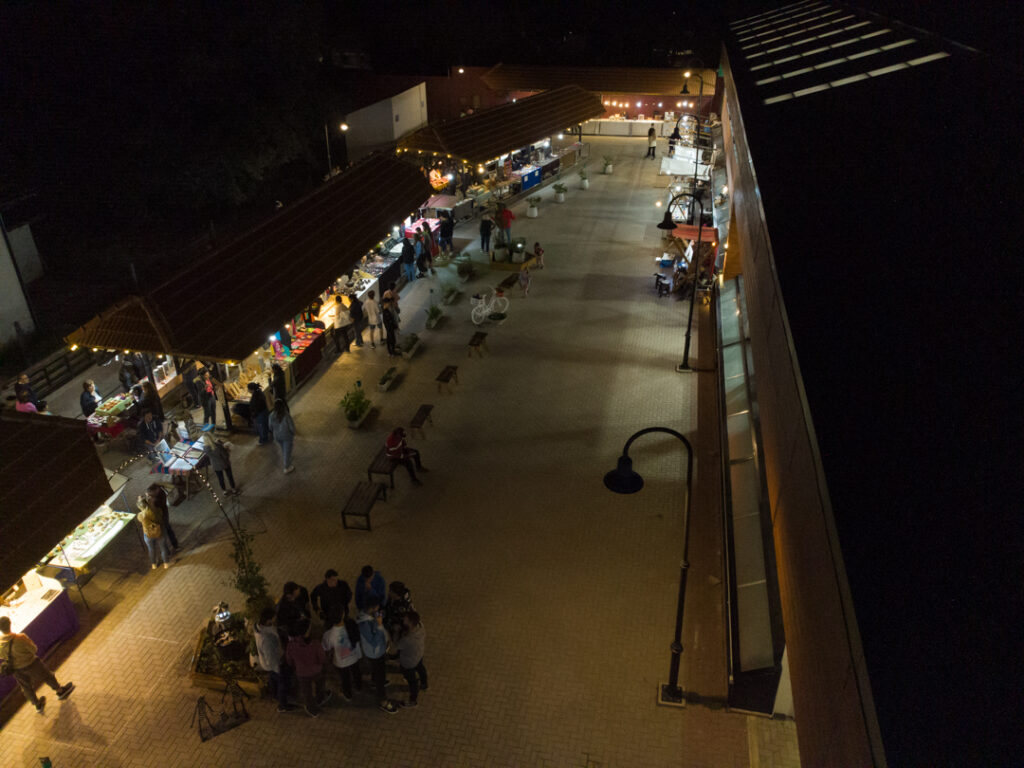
column 633, row 80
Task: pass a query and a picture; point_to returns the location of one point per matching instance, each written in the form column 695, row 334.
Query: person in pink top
column 24, row 405
column 308, row 658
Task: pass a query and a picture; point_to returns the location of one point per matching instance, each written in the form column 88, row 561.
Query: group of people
column 27, row 401
column 304, row 635
column 502, row 219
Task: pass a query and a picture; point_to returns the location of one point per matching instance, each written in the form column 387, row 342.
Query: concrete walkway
column 549, row 602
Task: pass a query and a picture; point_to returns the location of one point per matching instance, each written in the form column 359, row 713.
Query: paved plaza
column 549, row 602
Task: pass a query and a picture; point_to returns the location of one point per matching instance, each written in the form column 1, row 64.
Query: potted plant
column 434, row 315
column 559, row 192
column 465, row 270
column 409, row 344
column 356, row 406
column 584, row 178
column 387, row 379
column 609, row 164
column 532, row 203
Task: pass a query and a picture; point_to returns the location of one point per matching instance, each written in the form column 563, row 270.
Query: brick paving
column 549, row 602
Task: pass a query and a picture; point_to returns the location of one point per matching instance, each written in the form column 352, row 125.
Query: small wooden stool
column 445, row 377
column 360, row 504
column 479, row 340
column 422, row 416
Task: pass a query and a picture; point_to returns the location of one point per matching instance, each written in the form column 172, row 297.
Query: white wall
column 379, row 124
column 13, row 306
column 26, row 253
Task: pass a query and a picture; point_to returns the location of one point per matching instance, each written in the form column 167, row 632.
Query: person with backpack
column 355, row 314
column 373, row 640
column 19, row 660
column 307, row 659
column 342, row 642
column 153, row 533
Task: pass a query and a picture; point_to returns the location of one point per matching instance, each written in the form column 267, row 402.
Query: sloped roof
column 493, row 132
column 224, row 305
column 51, row 479
column 639, row 80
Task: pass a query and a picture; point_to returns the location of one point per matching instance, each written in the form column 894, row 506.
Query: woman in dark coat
column 259, row 412
column 277, row 386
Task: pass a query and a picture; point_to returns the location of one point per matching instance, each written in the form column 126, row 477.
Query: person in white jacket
column 270, row 658
column 342, row 642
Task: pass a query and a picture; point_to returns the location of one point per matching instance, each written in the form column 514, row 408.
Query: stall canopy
column 488, row 134
column 224, row 305
column 51, row 479
column 654, row 81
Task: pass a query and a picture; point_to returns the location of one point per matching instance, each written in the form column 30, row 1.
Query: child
column 524, row 281
column 538, row 253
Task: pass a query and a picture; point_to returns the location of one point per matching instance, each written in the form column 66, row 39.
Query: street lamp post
column 700, row 104
column 669, row 225
column 623, row 479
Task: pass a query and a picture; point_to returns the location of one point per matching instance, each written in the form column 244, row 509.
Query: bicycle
column 483, row 306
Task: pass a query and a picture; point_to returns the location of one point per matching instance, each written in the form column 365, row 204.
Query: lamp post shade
column 623, row 479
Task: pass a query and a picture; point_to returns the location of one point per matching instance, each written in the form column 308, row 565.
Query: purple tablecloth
column 58, row 621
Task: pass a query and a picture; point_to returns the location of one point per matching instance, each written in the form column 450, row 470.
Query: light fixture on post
column 669, row 225
column 624, row 480
column 696, row 136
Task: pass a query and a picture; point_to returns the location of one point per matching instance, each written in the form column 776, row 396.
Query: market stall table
column 109, row 417
column 180, row 460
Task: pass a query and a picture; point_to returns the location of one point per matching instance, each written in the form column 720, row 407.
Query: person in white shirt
column 371, row 310
column 340, row 321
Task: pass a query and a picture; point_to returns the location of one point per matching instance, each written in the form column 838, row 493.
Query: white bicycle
column 484, row 305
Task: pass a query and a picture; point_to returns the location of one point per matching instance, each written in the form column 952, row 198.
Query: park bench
column 361, row 502
column 445, row 377
column 382, row 464
column 479, row 340
column 422, row 416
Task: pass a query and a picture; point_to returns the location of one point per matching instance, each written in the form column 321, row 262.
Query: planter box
column 359, row 422
column 559, row 197
column 407, row 354
column 385, row 386
column 451, row 298
column 433, row 322
column 253, row 686
column 584, row 183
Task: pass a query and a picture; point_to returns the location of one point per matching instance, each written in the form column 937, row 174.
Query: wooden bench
column 360, row 503
column 446, row 375
column 382, row 464
column 479, row 340
column 422, row 416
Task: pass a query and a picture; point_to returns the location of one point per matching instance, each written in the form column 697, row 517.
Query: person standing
column 355, row 314
column 331, row 595
column 373, row 640
column 90, row 398
column 283, row 429
column 18, row 656
column 270, row 658
column 398, row 605
column 370, row 584
column 410, row 649
column 538, row 254
column 420, row 248
column 398, row 450
column 391, row 294
column 341, row 641
column 390, row 319
column 524, row 281
column 338, row 324
column 208, row 397
column 127, row 375
column 447, row 231
column 259, row 412
column 429, row 248
column 486, row 225
column 278, row 384
column 408, row 259
column 293, row 608
column 307, row 658
column 652, row 142
column 151, row 400
column 220, row 463
column 153, row 533
column 505, row 219
column 157, row 498
column 372, row 311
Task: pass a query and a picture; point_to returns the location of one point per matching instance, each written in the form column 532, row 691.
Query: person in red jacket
column 397, row 450
column 505, row 219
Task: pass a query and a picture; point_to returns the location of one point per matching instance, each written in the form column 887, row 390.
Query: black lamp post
column 623, row 479
column 696, row 138
column 668, row 225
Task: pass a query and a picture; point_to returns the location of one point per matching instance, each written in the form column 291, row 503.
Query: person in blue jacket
column 373, row 640
column 370, row 582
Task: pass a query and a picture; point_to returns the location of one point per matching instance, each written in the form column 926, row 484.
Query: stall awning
column 485, row 135
column 223, row 306
column 51, row 479
column 653, row 81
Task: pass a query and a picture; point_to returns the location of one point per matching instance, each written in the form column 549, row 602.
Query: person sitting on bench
column 398, row 451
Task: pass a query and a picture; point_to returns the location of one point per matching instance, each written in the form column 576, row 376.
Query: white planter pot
column 433, row 321
column 359, row 422
column 608, row 169
column 532, row 212
column 387, row 384
column 584, row 183
column 559, row 197
column 412, row 350
column 451, row 297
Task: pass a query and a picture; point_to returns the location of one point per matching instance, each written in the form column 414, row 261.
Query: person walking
column 307, row 659
column 398, row 450
column 270, row 658
column 153, row 533
column 538, row 254
column 18, row 658
column 370, row 584
column 652, row 142
column 486, row 225
column 220, row 463
column 90, row 398
column 342, row 642
column 524, row 281
column 505, row 219
column 373, row 640
column 390, row 319
column 372, row 311
column 408, row 259
column 259, row 412
column 283, row 429
column 410, row 649
column 355, row 314
column 208, row 398
column 331, row 595
column 157, row 498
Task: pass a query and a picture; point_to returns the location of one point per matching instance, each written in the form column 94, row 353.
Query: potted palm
column 609, row 164
column 532, row 202
column 559, row 192
column 584, row 178
column 356, row 406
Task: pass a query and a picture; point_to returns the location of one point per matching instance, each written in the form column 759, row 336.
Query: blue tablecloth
column 58, row 621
